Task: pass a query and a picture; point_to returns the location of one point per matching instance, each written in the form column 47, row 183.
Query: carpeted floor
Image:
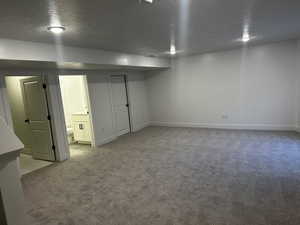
column 173, row 176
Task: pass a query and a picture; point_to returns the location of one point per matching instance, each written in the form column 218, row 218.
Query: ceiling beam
column 40, row 52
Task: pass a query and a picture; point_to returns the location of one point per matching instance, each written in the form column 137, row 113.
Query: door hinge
column 127, row 105
column 53, row 147
column 44, row 86
column 49, row 117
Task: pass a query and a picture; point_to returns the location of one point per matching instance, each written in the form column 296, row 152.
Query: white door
column 36, row 110
column 120, row 105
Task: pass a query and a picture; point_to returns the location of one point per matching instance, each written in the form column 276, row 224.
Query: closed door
column 36, row 110
column 120, row 105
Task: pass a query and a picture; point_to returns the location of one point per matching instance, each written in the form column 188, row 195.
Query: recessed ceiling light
column 173, row 50
column 149, row 1
column 56, row 29
column 246, row 37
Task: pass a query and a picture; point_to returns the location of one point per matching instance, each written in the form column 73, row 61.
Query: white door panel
column 36, row 110
column 120, row 107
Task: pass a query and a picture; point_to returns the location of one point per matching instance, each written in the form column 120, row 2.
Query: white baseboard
column 140, row 127
column 114, row 137
column 106, row 140
column 266, row 127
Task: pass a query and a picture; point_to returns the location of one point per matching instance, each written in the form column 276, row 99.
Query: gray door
column 36, row 110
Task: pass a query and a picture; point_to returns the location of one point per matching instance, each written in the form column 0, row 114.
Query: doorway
column 28, row 100
column 75, row 99
column 120, row 104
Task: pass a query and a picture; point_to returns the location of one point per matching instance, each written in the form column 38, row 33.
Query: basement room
column 150, row 112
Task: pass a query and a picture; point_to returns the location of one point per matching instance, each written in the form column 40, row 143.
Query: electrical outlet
column 224, row 117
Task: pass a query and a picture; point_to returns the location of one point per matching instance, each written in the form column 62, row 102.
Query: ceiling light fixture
column 246, row 37
column 149, row 1
column 173, row 50
column 56, row 29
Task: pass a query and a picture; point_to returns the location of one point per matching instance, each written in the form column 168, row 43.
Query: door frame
column 124, row 76
column 46, row 98
column 55, row 107
column 86, row 88
column 48, row 105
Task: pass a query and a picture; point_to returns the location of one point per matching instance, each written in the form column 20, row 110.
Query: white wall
column 15, row 99
column 73, row 96
column 101, row 103
column 254, row 87
column 138, row 101
column 100, row 99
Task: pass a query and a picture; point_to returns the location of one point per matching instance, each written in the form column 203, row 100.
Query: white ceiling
column 140, row 28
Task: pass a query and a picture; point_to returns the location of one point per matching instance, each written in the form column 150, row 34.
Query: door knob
column 27, row 121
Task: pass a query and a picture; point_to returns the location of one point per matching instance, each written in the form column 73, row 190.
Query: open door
column 38, row 118
column 120, row 104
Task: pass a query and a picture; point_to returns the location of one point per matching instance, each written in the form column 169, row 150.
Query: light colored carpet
column 173, row 176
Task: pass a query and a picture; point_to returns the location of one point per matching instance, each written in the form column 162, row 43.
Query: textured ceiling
column 133, row 27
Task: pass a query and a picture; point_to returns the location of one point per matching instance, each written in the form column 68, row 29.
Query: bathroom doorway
column 75, row 99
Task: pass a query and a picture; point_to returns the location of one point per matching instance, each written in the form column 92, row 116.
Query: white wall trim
column 106, row 140
column 140, row 127
column 266, row 127
column 114, row 137
column 85, row 81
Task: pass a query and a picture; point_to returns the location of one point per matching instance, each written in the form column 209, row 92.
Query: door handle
column 27, row 121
